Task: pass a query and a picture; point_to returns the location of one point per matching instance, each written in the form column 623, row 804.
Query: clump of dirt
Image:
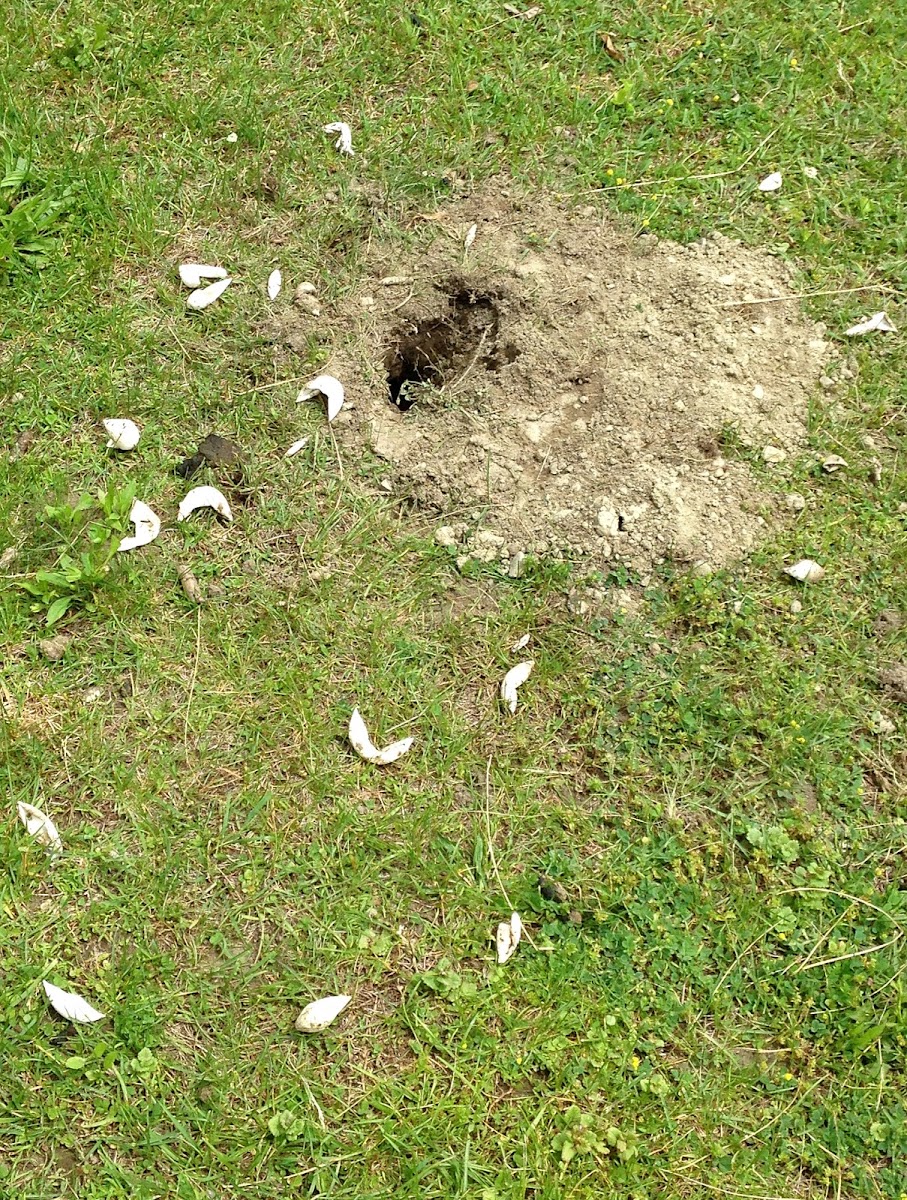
column 893, row 681
column 567, row 387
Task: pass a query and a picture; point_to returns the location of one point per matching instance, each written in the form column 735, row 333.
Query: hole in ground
column 438, row 350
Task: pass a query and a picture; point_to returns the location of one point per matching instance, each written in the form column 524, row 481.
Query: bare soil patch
column 566, row 387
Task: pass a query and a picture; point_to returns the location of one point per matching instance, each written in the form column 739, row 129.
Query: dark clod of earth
column 216, row 451
column 440, row 350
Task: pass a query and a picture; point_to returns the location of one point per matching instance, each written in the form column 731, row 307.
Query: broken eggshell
column 39, row 825
column 320, row 1013
column 771, row 183
column 508, row 937
column 834, row 462
column 204, row 497
column 202, row 297
column 296, row 447
column 344, row 142
column 805, row 571
column 514, row 678
column 147, row 526
column 470, row 236
column 192, row 274
column 71, row 1005
column 366, row 748
column 327, row 386
column 878, row 322
column 275, row 283
column 123, row 433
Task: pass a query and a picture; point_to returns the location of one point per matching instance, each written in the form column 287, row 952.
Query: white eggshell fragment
column 878, row 322
column 366, row 748
column 470, row 236
column 71, row 1006
column 771, row 183
column 833, row 463
column 508, row 937
column 805, row 571
column 275, row 283
column 192, row 274
column 521, row 643
column 320, row 1013
column 296, row 447
column 512, row 680
column 327, row 386
column 147, row 526
column 204, row 497
column 207, row 295
column 39, row 825
column 344, row 142
column 124, row 434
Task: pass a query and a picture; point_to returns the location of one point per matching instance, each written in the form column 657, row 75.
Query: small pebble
column 308, row 302
column 881, row 724
column 517, row 565
column 54, row 648
column 796, row 607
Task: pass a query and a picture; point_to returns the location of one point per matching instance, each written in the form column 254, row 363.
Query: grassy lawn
column 718, row 1006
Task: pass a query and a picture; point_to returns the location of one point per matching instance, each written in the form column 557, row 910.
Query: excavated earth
column 566, row 387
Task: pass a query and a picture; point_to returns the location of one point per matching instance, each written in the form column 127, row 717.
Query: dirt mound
column 565, row 386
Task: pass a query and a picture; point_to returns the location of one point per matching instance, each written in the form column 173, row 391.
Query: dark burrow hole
column 439, row 350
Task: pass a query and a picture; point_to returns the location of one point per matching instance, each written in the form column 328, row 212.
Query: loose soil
column 566, row 387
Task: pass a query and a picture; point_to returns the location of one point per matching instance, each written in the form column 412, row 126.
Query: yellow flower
column 716, row 98
column 788, row 1077
column 646, row 221
column 669, row 102
column 793, row 60
column 620, row 179
column 634, row 1062
column 610, row 171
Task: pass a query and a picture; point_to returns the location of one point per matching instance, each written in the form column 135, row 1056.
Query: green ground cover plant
column 713, row 998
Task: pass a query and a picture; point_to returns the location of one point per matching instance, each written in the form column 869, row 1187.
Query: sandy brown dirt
column 572, row 388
